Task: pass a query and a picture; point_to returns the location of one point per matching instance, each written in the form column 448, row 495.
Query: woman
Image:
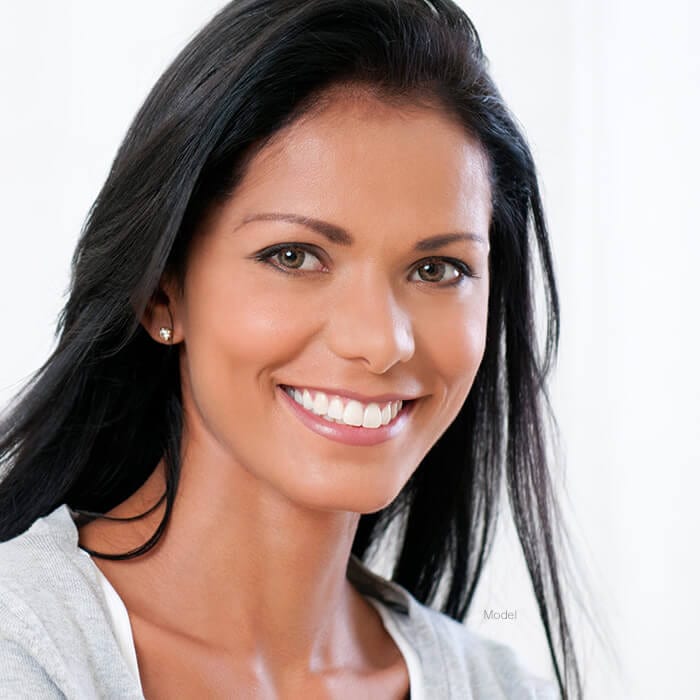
column 301, row 312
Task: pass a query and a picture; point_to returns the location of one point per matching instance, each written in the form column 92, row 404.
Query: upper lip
column 362, row 398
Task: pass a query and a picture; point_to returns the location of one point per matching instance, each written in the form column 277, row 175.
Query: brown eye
column 447, row 272
column 291, row 257
column 433, row 271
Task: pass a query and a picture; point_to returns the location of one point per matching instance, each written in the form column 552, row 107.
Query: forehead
column 357, row 155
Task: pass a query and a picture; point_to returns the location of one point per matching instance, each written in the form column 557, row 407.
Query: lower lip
column 349, row 434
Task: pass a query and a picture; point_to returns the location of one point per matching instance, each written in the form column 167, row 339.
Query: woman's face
column 363, row 301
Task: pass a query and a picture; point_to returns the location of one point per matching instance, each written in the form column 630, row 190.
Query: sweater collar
column 369, row 583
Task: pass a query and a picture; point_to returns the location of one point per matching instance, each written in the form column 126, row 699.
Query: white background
column 607, row 91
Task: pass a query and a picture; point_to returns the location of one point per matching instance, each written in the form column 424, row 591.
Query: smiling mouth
column 347, row 412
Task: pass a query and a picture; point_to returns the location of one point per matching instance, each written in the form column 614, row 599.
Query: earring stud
column 166, row 334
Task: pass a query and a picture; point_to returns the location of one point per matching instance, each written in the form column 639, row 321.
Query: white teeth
column 335, row 409
column 307, row 400
column 353, row 412
column 372, row 417
column 386, row 414
column 321, row 404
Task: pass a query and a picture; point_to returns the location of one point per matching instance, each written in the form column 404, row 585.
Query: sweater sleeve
column 22, row 677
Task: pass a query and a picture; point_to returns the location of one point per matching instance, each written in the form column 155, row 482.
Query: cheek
column 239, row 331
column 459, row 354
column 248, row 323
column 454, row 341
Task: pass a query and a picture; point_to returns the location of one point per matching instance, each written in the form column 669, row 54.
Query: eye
column 435, row 270
column 287, row 256
column 291, row 258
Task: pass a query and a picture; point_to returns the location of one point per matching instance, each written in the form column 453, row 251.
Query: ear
column 162, row 312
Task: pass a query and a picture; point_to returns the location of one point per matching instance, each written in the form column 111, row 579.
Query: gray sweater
column 57, row 640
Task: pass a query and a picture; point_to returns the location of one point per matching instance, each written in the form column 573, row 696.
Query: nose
column 368, row 323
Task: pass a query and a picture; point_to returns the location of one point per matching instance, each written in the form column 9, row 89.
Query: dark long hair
column 96, row 418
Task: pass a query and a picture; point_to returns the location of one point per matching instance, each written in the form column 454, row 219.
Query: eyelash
column 265, row 255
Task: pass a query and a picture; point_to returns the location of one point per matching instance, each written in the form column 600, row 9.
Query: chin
column 363, row 500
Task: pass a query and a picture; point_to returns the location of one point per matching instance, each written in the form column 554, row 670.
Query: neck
column 239, row 568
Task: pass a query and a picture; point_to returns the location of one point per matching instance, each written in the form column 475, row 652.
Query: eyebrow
column 337, row 234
